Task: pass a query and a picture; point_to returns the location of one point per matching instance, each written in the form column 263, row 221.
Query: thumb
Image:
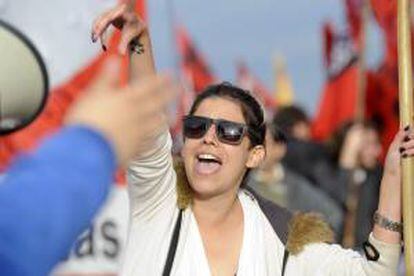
column 108, row 77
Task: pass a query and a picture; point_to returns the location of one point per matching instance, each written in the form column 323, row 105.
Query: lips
column 207, row 164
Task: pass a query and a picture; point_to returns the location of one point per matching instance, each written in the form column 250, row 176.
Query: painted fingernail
column 104, row 47
column 404, row 155
column 406, row 138
column 401, row 149
column 407, row 127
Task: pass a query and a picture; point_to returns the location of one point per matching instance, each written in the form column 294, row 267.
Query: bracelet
column 387, row 223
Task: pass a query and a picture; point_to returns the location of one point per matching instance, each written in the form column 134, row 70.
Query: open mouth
column 207, row 164
column 208, row 158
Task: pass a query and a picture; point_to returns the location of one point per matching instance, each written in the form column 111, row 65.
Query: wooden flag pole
column 353, row 196
column 361, row 79
column 406, row 115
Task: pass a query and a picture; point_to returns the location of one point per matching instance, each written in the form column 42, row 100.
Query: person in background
column 283, row 186
column 302, row 153
column 352, row 177
column 294, row 122
column 48, row 197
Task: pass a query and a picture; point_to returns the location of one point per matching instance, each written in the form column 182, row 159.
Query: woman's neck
column 217, row 210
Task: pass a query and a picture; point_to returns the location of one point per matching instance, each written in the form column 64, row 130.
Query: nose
column 210, row 137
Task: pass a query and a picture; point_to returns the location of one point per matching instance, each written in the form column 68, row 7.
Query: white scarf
column 258, row 256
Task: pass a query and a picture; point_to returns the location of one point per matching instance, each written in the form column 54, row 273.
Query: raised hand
column 124, row 18
column 351, row 147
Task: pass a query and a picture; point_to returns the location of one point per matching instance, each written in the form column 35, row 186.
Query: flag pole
column 354, row 194
column 361, row 81
column 406, row 113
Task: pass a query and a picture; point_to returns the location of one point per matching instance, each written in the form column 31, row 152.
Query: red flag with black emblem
column 337, row 103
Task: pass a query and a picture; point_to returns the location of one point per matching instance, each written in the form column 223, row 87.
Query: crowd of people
column 227, row 205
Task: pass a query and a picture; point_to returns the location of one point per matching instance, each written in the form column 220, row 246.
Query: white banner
column 98, row 251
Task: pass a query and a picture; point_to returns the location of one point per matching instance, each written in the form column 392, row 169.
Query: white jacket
column 153, row 213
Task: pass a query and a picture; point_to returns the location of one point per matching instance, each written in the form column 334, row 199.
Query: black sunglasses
column 227, row 132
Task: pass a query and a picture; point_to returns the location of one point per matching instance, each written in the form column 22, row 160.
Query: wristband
column 387, row 223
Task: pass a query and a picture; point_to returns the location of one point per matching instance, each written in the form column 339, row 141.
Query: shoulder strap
column 285, row 258
column 173, row 246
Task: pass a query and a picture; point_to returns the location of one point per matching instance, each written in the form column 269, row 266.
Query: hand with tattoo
column 124, row 18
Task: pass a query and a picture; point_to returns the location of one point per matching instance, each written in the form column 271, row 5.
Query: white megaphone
column 23, row 80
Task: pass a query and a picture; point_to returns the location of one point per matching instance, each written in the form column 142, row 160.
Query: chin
column 203, row 189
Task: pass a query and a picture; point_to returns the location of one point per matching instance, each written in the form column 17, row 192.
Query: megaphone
column 24, row 82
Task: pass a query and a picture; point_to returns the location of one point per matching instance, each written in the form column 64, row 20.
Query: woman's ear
column 256, row 156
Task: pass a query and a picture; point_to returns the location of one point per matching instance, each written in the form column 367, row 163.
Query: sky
column 224, row 31
column 254, row 31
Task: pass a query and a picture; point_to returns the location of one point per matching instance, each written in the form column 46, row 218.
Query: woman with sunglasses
column 200, row 219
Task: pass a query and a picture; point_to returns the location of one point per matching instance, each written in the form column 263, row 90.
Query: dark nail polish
column 406, row 138
column 407, row 127
column 103, row 47
column 404, row 155
column 401, row 149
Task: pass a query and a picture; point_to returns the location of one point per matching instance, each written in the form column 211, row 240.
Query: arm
column 348, row 157
column 49, row 197
column 389, row 204
column 150, row 174
column 326, row 259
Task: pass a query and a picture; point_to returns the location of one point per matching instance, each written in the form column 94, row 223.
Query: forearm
column 390, row 207
column 141, row 59
column 151, row 179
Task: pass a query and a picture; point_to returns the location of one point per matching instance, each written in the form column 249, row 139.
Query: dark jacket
column 296, row 193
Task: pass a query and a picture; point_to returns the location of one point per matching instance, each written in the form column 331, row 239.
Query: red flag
column 337, row 103
column 193, row 64
column 60, row 100
column 354, row 18
column 247, row 80
column 386, row 109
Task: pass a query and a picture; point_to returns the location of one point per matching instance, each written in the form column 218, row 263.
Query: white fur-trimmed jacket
column 152, row 187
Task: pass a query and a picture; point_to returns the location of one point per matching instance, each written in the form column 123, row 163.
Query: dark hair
column 287, row 117
column 251, row 109
column 277, row 134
